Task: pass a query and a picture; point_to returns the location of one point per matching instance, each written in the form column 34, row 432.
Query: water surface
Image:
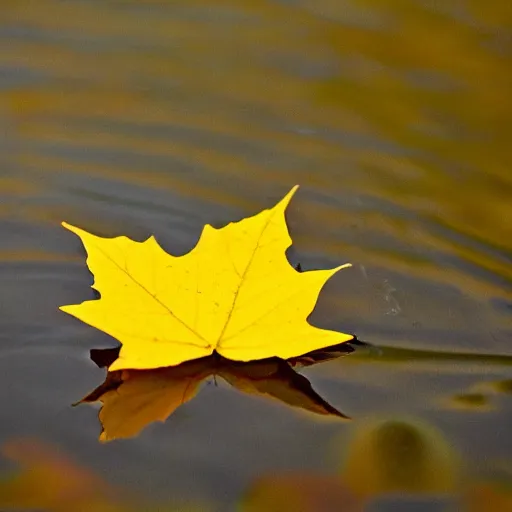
column 146, row 117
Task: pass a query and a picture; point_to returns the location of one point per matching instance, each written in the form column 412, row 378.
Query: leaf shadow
column 132, row 399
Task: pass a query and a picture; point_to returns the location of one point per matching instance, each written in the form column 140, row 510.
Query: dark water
column 151, row 117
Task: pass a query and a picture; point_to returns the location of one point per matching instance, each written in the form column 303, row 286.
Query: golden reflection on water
column 383, row 458
column 393, row 100
column 393, row 116
column 48, row 479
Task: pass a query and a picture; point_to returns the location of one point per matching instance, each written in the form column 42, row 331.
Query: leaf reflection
column 132, row 399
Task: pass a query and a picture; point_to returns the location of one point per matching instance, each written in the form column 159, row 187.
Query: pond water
column 151, row 117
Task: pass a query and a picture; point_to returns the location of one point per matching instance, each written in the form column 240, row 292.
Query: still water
column 152, row 117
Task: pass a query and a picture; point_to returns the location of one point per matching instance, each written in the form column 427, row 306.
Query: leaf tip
column 151, row 239
column 71, row 228
column 287, row 198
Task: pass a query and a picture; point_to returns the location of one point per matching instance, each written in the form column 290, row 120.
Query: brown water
column 142, row 117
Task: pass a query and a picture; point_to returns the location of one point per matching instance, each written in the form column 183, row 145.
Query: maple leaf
column 234, row 293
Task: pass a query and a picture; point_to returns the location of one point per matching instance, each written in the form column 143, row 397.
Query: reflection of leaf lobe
column 131, row 399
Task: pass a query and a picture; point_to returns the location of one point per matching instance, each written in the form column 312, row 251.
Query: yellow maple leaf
column 235, row 293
